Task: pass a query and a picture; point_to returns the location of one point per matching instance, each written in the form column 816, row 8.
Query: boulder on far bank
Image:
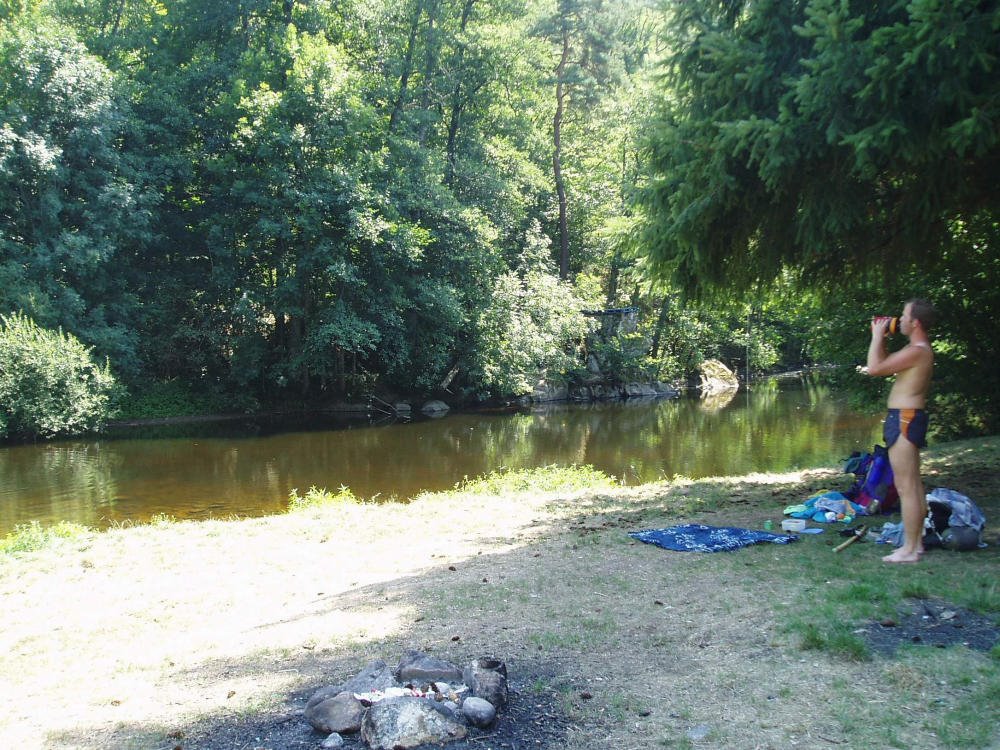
column 435, row 408
column 716, row 377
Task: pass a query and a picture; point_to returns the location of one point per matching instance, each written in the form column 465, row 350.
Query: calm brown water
column 249, row 471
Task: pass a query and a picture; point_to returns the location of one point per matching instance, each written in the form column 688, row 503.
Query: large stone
column 421, row 669
column 407, row 722
column 342, row 714
column 716, row 377
column 435, row 408
column 377, row 675
column 665, row 389
column 479, row 712
column 606, row 392
column 639, row 390
column 487, row 679
column 545, row 391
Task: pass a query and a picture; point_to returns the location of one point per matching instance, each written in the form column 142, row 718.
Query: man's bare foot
column 900, row 556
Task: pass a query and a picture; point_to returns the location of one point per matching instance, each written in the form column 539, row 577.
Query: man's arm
column 881, row 364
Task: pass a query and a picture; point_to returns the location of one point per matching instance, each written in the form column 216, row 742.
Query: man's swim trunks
column 910, row 423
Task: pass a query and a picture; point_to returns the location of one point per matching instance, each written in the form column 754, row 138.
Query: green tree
column 583, row 38
column 849, row 146
column 311, row 194
column 530, row 327
column 820, row 134
column 49, row 382
column 73, row 206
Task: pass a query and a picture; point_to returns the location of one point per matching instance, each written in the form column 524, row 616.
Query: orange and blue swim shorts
column 910, row 423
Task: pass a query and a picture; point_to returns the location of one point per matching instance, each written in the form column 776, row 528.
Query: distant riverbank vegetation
column 240, row 206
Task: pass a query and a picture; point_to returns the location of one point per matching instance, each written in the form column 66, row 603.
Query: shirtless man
column 905, row 426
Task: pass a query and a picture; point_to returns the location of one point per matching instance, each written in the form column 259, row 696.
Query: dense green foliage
column 264, row 202
column 849, row 147
column 822, row 134
column 49, row 384
column 299, row 201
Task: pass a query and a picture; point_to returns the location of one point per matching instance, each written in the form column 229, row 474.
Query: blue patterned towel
column 695, row 537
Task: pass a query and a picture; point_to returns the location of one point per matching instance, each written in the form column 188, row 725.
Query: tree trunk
column 341, row 372
column 561, row 92
column 404, row 77
column 116, row 20
column 661, row 322
column 456, row 99
column 430, row 69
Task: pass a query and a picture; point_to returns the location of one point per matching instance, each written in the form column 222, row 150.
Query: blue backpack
column 873, row 488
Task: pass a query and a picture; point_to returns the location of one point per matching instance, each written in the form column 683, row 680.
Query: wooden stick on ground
column 858, row 533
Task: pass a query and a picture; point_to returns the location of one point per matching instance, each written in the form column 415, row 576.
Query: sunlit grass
column 318, row 498
column 551, row 478
column 33, row 536
column 501, row 482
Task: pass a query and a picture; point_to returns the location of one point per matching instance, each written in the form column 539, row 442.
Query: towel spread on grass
column 696, row 537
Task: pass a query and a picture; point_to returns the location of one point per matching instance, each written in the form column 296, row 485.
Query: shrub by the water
column 49, row 383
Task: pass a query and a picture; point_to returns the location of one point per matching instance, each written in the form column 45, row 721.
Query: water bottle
column 892, row 327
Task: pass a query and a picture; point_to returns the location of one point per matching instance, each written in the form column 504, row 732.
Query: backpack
column 873, row 488
column 953, row 521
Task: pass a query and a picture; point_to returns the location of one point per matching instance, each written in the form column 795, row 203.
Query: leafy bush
column 550, row 478
column 318, row 498
column 173, row 398
column 33, row 536
column 531, row 326
column 49, row 384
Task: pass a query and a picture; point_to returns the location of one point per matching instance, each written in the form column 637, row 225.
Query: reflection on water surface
column 249, row 469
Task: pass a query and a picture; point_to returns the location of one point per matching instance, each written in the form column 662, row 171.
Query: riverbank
column 211, row 634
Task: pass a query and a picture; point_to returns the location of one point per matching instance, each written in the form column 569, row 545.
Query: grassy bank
column 192, row 634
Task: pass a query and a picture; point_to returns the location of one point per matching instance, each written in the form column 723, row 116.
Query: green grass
column 503, row 482
column 542, row 479
column 316, row 498
column 33, row 536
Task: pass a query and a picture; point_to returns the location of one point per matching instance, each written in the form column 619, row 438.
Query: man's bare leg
column 905, row 459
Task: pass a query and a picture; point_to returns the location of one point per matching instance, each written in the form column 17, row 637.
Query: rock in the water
column 342, row 713
column 479, row 712
column 435, row 408
column 545, row 391
column 407, row 722
column 639, row 390
column 716, row 377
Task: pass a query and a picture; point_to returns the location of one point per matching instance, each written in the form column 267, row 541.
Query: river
column 248, row 469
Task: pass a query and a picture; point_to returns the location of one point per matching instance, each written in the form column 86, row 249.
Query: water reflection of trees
column 78, row 477
column 767, row 429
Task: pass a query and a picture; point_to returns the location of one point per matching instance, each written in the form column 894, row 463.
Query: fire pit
column 423, row 700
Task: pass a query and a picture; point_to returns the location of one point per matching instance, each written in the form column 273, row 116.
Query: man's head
column 921, row 311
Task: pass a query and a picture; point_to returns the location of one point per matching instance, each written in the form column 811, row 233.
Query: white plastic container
column 793, row 524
